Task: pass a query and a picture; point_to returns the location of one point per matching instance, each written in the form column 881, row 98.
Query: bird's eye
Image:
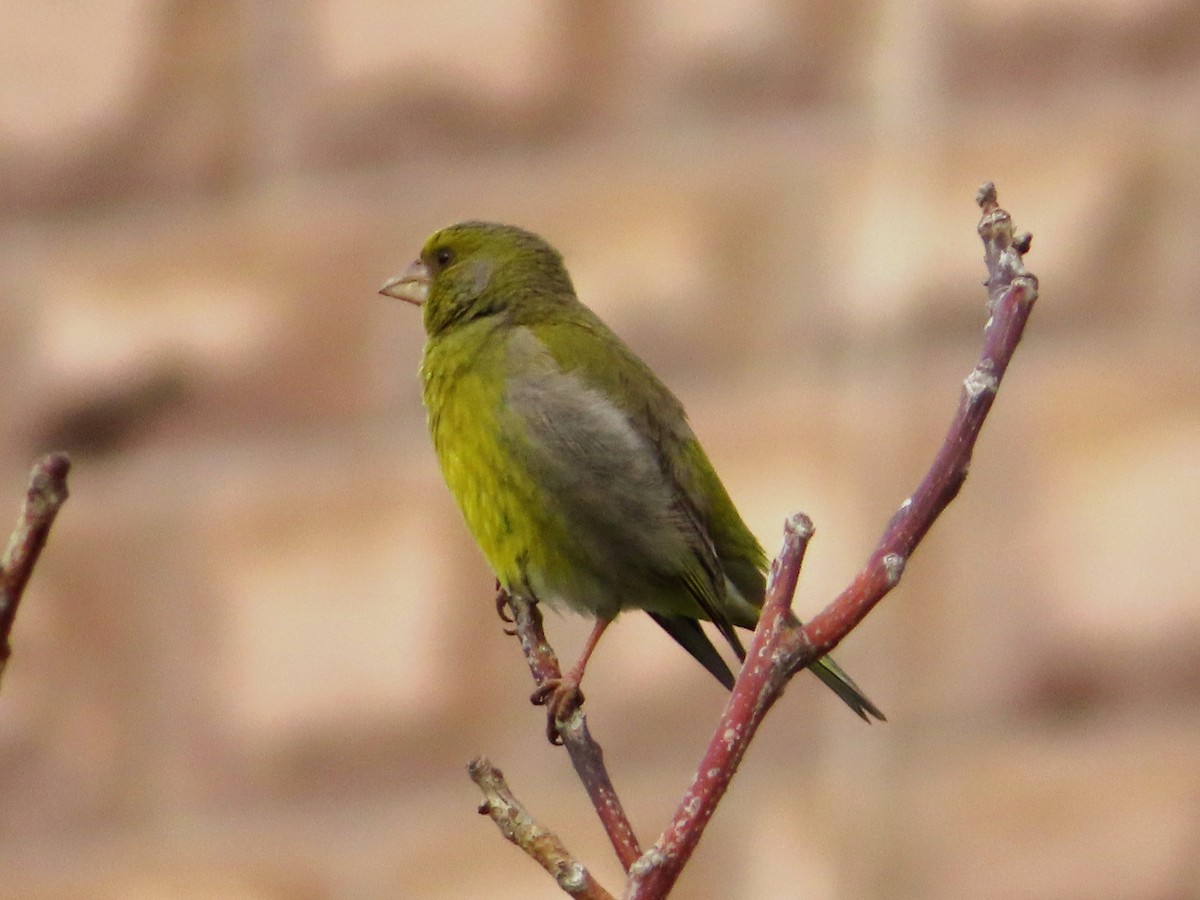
column 443, row 256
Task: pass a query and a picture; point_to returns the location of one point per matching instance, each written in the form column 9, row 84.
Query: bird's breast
column 479, row 445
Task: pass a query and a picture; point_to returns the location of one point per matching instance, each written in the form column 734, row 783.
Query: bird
column 574, row 466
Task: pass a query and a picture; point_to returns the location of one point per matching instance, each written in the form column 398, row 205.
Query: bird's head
column 476, row 269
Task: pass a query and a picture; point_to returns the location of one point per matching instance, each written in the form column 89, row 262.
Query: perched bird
column 574, row 466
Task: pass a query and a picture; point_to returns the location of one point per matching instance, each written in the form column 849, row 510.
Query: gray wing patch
column 612, row 484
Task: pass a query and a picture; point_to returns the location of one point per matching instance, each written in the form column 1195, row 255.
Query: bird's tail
column 843, row 685
column 691, row 637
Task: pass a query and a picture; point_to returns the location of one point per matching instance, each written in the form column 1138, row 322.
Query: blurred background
column 260, row 647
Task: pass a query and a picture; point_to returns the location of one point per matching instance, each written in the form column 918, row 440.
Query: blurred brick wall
column 260, row 646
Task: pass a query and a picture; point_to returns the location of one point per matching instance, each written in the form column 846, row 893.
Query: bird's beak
column 412, row 286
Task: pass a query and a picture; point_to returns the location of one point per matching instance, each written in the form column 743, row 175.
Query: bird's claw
column 502, row 609
column 561, row 697
column 501, row 603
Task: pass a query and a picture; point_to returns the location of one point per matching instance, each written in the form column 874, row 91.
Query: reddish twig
column 518, row 826
column 780, row 649
column 1012, row 291
column 47, row 492
column 759, row 685
column 586, row 755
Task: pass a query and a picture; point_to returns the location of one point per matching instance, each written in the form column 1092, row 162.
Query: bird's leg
column 562, row 696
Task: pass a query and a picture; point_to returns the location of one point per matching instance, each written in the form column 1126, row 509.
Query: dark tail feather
column 843, row 685
column 691, row 637
column 836, row 679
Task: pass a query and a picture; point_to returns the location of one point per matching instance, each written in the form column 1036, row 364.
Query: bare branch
column 758, row 686
column 782, row 647
column 586, row 755
column 1012, row 291
column 47, row 493
column 518, row 826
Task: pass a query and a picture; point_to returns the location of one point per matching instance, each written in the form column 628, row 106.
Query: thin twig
column 1012, row 291
column 586, row 755
column 788, row 648
column 46, row 494
column 759, row 685
column 518, row 826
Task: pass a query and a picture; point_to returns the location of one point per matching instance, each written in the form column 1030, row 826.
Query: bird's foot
column 502, row 609
column 561, row 697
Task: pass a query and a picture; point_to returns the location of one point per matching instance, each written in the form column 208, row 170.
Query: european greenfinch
column 573, row 464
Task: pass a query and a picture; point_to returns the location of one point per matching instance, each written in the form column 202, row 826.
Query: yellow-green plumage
column 574, row 466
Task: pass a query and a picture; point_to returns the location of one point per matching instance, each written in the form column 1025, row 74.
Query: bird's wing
column 584, row 344
column 584, row 349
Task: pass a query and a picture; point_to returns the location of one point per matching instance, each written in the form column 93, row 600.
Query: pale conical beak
column 412, row 286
